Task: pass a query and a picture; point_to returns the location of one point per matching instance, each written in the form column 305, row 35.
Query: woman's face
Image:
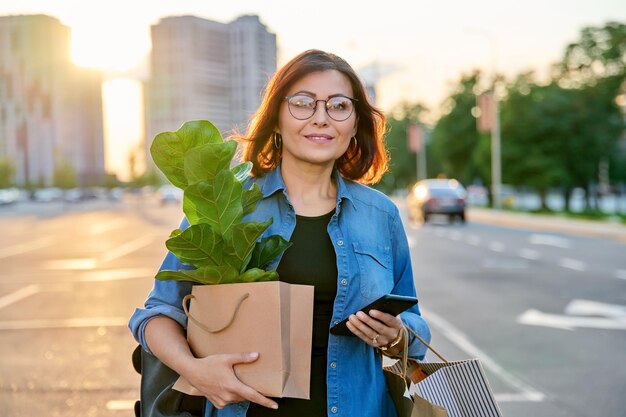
column 318, row 140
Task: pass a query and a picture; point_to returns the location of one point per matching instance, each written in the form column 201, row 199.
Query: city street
column 543, row 306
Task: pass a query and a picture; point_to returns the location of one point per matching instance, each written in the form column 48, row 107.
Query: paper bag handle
column 202, row 326
column 425, row 344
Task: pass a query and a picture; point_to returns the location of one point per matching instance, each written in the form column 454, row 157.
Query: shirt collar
column 273, row 182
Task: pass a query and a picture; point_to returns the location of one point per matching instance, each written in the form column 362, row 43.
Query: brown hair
column 366, row 162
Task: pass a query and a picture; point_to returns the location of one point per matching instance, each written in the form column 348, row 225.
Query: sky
column 420, row 48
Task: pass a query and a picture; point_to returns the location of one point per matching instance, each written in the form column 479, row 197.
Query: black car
column 437, row 196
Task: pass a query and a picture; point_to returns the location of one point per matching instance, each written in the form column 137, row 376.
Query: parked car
column 169, row 194
column 437, row 196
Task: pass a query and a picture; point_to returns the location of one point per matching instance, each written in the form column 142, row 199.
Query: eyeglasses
column 338, row 108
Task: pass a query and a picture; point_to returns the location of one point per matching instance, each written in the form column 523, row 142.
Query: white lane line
column 64, row 323
column 116, row 274
column 573, row 264
column 26, row 247
column 550, row 240
column 496, row 246
column 473, row 240
column 462, row 342
column 595, row 308
column 534, row 317
column 99, row 228
column 529, row 254
column 126, row 248
column 18, row 295
column 620, row 273
column 71, row 264
column 120, row 405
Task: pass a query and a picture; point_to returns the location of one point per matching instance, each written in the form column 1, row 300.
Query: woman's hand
column 215, row 377
column 376, row 329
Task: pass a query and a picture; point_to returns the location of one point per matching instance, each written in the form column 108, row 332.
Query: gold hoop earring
column 355, row 142
column 278, row 140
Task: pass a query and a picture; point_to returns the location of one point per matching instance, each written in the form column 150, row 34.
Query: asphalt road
column 545, row 311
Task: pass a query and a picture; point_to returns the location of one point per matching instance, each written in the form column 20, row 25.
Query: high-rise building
column 201, row 69
column 50, row 110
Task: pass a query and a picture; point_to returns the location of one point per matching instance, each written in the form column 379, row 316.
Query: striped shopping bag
column 441, row 389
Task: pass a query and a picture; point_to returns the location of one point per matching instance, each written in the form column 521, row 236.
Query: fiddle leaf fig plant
column 217, row 244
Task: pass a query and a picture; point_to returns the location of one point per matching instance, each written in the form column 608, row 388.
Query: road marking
column 98, row 228
column 473, row 240
column 121, row 405
column 64, row 323
column 496, row 246
column 538, row 318
column 71, row 264
column 549, row 240
column 530, row 254
column 117, row 274
column 620, row 273
column 591, row 308
column 509, row 264
column 507, row 397
column 573, row 264
column 462, row 342
column 18, row 295
column 26, row 247
column 126, row 248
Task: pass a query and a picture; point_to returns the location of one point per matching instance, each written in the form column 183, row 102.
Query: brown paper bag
column 272, row 318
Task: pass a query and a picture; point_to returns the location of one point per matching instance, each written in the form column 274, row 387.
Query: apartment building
column 50, row 110
column 202, row 69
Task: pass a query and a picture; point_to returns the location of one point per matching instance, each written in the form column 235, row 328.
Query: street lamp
column 496, row 168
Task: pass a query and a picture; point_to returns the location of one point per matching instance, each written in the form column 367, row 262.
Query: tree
column 455, row 140
column 7, row 172
column 64, row 175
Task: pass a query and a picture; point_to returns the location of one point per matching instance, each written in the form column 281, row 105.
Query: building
column 202, row 69
column 50, row 110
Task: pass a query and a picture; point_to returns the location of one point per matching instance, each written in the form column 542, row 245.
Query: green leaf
column 258, row 275
column 242, row 171
column 217, row 203
column 198, row 245
column 241, row 241
column 250, row 198
column 206, row 161
column 168, row 149
column 267, row 250
column 205, row 275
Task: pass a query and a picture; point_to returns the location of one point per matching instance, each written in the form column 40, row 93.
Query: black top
column 310, row 260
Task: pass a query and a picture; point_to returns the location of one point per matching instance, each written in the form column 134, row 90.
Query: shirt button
column 336, row 322
column 340, row 242
column 333, row 410
column 344, row 282
column 333, row 365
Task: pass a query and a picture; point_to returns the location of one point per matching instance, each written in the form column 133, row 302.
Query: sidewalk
column 553, row 223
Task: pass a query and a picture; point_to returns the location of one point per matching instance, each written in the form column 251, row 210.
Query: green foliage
column 64, row 175
column 7, row 172
column 455, row 141
column 220, row 247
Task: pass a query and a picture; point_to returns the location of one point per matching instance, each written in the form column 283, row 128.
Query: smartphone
column 389, row 303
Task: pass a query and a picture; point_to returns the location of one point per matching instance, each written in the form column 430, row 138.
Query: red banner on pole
column 487, row 111
column 414, row 141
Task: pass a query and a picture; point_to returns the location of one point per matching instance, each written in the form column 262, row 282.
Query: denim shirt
column 373, row 259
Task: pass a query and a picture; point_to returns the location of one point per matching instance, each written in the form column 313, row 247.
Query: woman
column 313, row 142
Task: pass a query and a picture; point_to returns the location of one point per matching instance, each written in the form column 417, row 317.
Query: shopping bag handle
column 424, row 343
column 188, row 297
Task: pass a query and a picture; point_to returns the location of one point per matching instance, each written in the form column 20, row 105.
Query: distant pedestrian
column 314, row 142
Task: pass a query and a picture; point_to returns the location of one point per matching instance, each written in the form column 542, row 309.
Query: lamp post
column 496, row 168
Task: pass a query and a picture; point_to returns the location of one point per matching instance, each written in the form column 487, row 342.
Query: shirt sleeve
column 165, row 299
column 404, row 284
